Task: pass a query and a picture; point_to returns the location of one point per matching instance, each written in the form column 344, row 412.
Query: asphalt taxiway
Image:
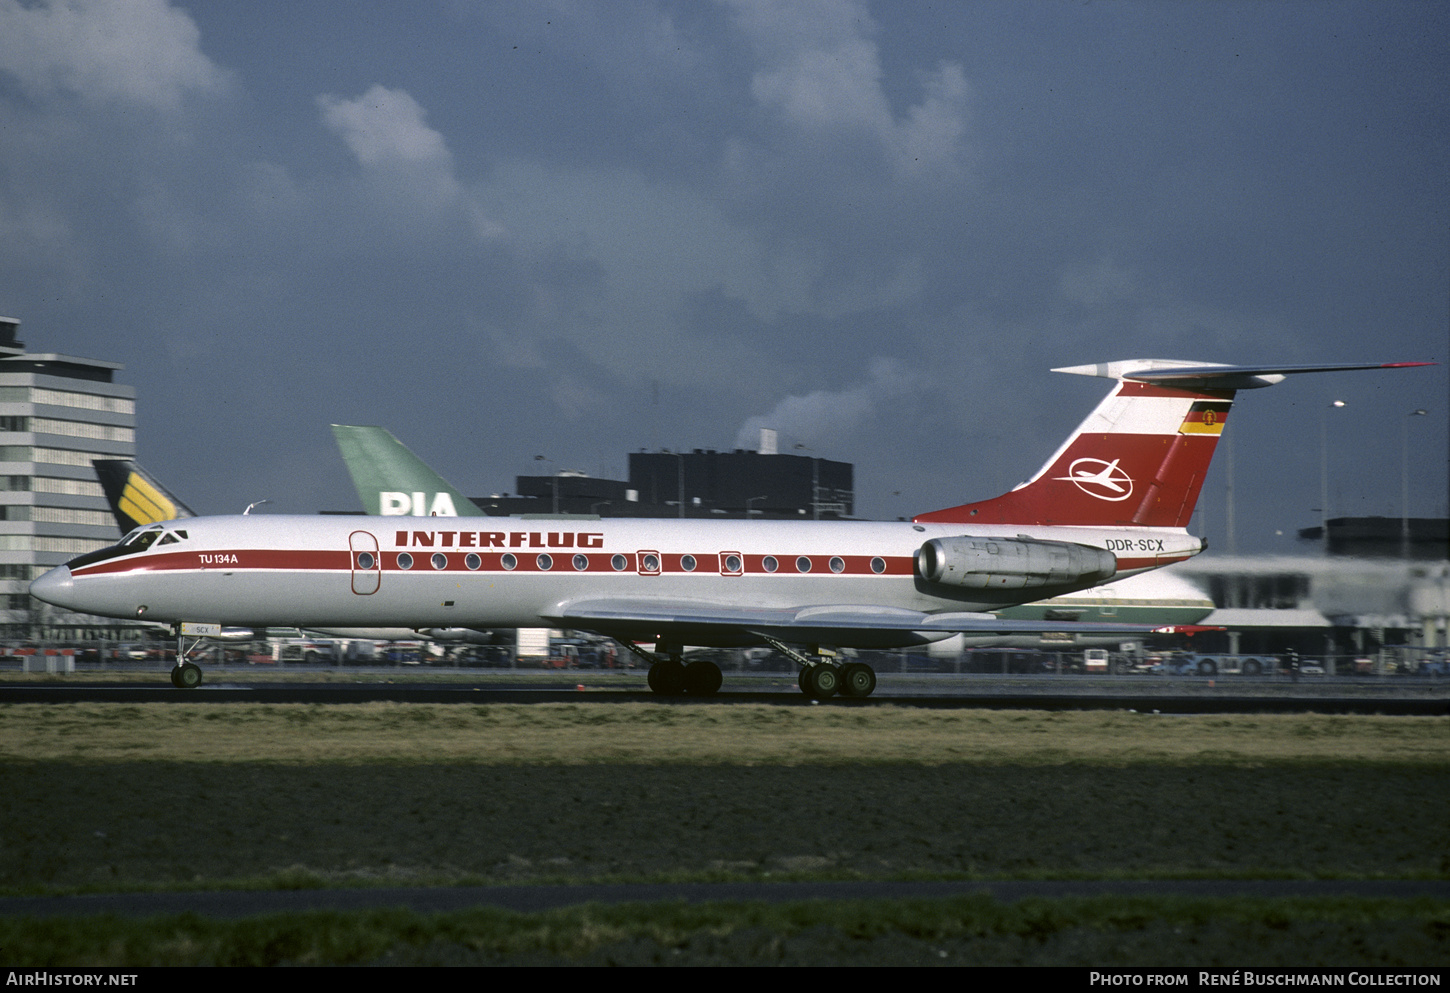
column 1394, row 696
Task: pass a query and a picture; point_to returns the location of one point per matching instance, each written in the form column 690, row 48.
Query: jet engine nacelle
column 1013, row 563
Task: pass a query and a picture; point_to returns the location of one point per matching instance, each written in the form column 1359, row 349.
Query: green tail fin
column 393, row 482
column 136, row 497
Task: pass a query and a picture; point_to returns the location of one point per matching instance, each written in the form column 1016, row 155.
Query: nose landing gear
column 186, row 676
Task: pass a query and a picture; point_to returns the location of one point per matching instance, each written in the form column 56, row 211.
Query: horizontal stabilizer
column 1209, row 376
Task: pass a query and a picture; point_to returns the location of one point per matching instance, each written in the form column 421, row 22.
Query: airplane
column 799, row 587
column 392, row 481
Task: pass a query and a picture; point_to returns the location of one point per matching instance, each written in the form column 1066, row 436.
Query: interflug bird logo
column 1096, row 478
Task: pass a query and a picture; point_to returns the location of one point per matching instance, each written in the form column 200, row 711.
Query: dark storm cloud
column 577, row 229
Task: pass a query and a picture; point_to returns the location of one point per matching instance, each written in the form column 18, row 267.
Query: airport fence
column 1391, row 663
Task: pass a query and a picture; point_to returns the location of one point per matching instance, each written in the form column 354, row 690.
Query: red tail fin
column 1139, row 459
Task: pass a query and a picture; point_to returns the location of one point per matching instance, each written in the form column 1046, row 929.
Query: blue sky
column 505, row 230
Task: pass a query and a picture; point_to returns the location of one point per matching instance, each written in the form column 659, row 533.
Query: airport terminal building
column 1375, row 584
column 57, row 414
column 701, row 484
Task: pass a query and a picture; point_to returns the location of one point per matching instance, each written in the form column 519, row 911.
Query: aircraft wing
column 842, row 625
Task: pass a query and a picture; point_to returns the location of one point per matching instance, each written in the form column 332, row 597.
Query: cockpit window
column 137, row 541
column 140, row 539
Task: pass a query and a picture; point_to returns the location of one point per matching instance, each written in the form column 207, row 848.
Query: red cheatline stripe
column 490, row 562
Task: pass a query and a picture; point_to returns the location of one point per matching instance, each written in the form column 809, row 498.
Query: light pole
column 1405, row 481
column 1324, row 471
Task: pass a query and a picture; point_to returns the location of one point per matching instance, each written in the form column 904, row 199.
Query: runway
column 1184, row 695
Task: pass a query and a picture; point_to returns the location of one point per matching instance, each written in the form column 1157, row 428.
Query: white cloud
column 819, row 68
column 385, row 126
column 134, row 51
column 386, row 131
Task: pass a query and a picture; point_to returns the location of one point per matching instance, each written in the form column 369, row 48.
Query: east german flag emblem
column 1205, row 417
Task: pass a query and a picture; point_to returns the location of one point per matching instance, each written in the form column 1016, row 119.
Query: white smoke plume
column 828, row 417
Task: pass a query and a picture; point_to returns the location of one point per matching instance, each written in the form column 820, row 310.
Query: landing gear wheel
column 857, row 680
column 820, row 682
column 667, row 678
column 703, row 678
column 186, row 676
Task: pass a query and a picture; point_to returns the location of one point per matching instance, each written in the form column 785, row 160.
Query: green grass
column 973, row 930
column 116, row 797
column 739, row 734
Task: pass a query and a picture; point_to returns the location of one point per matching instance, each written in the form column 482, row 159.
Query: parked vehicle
column 1227, row 665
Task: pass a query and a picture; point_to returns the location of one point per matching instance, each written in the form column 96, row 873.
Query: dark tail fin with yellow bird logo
column 137, row 497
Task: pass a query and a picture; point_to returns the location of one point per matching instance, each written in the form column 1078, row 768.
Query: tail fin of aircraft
column 393, row 482
column 1140, row 458
column 137, row 497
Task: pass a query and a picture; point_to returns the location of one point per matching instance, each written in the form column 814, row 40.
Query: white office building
column 57, row 413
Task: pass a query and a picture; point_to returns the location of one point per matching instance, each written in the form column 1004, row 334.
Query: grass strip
column 744, row 734
column 974, row 930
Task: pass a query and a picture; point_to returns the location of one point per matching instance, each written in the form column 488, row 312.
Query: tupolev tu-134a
column 1115, row 500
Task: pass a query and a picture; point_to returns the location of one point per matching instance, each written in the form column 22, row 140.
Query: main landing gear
column 819, row 678
column 669, row 676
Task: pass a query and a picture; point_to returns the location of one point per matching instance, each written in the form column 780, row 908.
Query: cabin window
column 405, row 561
column 878, row 565
column 581, row 562
column 509, row 562
column 619, row 563
column 769, row 564
column 545, row 562
column 838, row 564
column 687, row 563
column 803, row 564
column 439, row 560
column 472, row 561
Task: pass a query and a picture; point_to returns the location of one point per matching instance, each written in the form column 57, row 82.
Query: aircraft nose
column 56, row 587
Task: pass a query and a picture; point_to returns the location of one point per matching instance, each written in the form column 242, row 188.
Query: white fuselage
column 422, row 572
